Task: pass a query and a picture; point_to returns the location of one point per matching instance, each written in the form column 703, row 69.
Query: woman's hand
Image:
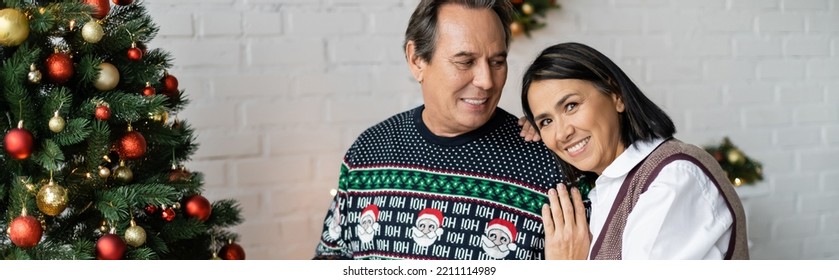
column 528, row 131
column 566, row 231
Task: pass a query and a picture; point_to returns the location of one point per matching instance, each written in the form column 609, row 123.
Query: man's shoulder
column 397, row 122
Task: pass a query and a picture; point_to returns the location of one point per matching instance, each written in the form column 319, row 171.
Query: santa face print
column 425, row 232
column 366, row 228
column 334, row 223
column 495, row 243
column 499, row 238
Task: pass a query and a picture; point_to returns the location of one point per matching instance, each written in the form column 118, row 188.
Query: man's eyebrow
column 464, row 54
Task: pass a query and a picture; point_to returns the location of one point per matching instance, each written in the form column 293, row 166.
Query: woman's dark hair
column 422, row 27
column 641, row 119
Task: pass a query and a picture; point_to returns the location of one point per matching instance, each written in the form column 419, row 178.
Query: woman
column 654, row 196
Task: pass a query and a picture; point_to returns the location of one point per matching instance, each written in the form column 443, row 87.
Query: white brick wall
column 280, row 88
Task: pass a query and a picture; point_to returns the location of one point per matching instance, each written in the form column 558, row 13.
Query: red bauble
column 110, row 247
column 170, row 86
column 232, row 251
column 132, row 145
column 148, row 90
column 59, row 67
column 18, row 143
column 100, row 8
column 150, row 209
column 103, row 112
column 135, row 54
column 179, row 174
column 123, row 2
column 168, row 214
column 25, row 231
column 198, row 207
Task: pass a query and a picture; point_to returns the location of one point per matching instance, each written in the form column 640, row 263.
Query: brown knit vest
column 609, row 244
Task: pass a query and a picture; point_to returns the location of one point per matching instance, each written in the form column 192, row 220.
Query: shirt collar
column 630, row 157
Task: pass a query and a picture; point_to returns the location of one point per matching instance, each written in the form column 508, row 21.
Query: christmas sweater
column 405, row 193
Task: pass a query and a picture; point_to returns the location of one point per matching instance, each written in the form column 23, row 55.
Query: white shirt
column 682, row 215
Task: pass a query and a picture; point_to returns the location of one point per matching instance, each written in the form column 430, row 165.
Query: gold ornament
column 735, row 156
column 159, row 115
column 737, row 182
column 135, row 235
column 56, row 123
column 516, row 28
column 14, row 27
column 527, row 9
column 104, row 172
column 34, row 75
column 103, row 227
column 92, row 32
column 176, row 205
column 52, row 199
column 108, row 77
column 123, row 173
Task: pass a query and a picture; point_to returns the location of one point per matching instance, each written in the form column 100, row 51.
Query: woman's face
column 578, row 122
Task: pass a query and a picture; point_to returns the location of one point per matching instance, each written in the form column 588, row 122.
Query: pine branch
column 76, row 131
column 49, row 156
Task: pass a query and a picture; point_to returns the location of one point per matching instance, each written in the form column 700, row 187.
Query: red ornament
column 100, row 8
column 123, row 2
column 178, row 174
column 59, row 67
column 170, row 86
column 232, row 251
column 168, row 214
column 198, row 207
column 110, row 247
column 150, row 209
column 25, row 231
column 18, row 142
column 148, row 90
column 132, row 145
column 103, row 112
column 135, row 54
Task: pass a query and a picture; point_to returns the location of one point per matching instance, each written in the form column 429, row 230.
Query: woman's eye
column 570, row 106
column 544, row 122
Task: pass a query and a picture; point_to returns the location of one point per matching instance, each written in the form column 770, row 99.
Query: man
column 451, row 179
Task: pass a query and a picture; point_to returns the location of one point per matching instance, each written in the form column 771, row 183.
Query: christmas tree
column 92, row 163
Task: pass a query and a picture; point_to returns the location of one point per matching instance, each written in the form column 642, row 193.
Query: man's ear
column 415, row 63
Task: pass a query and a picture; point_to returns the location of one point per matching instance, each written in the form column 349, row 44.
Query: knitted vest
column 609, row 244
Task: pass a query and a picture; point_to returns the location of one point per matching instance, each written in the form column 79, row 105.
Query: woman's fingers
column 566, row 206
column 579, row 208
column 547, row 219
column 556, row 207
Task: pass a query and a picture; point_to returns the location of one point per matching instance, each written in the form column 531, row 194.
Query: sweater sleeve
column 333, row 243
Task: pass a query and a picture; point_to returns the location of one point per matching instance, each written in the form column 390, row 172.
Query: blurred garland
column 529, row 15
column 741, row 170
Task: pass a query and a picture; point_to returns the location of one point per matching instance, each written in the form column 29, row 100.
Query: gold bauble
column 159, row 115
column 135, row 235
column 735, row 156
column 57, row 123
column 52, row 199
column 516, row 28
column 14, row 27
column 34, row 75
column 104, row 172
column 108, row 77
column 123, row 173
column 527, row 9
column 104, row 228
column 92, row 32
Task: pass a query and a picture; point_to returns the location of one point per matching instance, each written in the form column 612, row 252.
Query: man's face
column 462, row 83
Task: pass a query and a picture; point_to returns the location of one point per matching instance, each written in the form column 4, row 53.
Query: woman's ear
column 619, row 106
column 415, row 63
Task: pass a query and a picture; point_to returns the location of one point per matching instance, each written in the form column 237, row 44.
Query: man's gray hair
column 422, row 27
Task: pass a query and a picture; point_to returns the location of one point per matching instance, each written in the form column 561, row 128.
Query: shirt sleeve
column 682, row 215
column 333, row 243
